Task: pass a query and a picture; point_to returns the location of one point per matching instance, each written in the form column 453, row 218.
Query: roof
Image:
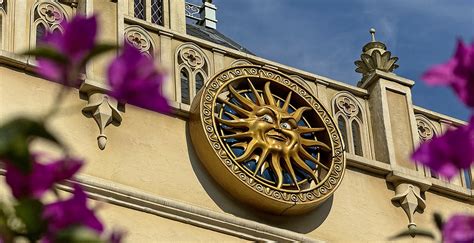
column 214, row 36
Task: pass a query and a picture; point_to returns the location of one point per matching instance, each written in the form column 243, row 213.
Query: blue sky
column 326, row 37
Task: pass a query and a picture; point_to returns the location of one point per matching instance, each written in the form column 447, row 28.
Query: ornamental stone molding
column 426, row 129
column 140, row 39
column 267, row 140
column 347, row 105
column 50, row 12
column 240, row 62
column 100, row 107
column 408, row 197
column 375, row 57
column 192, row 56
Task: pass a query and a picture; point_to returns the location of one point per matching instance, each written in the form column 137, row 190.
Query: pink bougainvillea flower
column 41, row 177
column 449, row 153
column 68, row 213
column 134, row 79
column 458, row 72
column 77, row 40
column 459, row 229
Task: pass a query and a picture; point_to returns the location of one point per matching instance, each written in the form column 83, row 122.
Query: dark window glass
column 342, row 127
column 468, row 178
column 199, row 82
column 357, row 138
column 139, row 9
column 185, row 86
column 157, row 12
column 40, row 32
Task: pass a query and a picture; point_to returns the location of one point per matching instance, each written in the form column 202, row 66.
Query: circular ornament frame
column 218, row 159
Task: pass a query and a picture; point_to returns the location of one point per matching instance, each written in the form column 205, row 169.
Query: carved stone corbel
column 408, row 197
column 102, row 108
column 408, row 194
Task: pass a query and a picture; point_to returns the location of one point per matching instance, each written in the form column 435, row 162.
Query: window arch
column 139, row 37
column 351, row 122
column 426, row 131
column 139, row 9
column 192, row 59
column 45, row 17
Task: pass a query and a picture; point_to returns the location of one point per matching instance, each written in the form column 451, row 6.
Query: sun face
column 272, row 137
column 266, row 140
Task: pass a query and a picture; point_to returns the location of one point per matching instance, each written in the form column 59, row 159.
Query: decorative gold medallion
column 267, row 140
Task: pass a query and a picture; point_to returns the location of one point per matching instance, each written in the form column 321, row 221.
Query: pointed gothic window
column 199, row 82
column 40, row 32
column 185, row 86
column 341, row 122
column 356, row 138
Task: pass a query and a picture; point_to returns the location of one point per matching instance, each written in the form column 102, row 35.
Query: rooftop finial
column 372, row 33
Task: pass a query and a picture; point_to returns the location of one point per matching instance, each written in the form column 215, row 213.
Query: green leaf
column 412, row 232
column 30, row 212
column 98, row 50
column 47, row 52
column 15, row 136
column 78, row 234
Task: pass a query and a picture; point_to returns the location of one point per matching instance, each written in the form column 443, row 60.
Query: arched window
column 341, row 122
column 351, row 123
column 40, row 32
column 199, row 82
column 184, row 86
column 356, row 138
column 192, row 59
column 3, row 24
column 1, row 30
column 139, row 9
column 45, row 17
column 426, row 131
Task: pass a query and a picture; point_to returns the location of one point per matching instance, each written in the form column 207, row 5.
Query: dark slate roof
column 214, row 36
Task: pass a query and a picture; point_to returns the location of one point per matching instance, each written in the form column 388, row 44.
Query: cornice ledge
column 14, row 60
column 132, row 198
column 397, row 177
column 377, row 74
column 366, row 164
column 452, row 190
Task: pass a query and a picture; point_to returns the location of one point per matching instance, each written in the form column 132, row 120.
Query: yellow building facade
column 173, row 178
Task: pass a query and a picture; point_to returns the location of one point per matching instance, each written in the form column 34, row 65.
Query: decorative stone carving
column 192, row 58
column 240, row 62
column 139, row 38
column 347, row 105
column 426, row 130
column 301, row 81
column 375, row 57
column 50, row 13
column 102, row 108
column 407, row 196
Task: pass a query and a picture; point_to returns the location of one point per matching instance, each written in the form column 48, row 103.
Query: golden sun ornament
column 267, row 140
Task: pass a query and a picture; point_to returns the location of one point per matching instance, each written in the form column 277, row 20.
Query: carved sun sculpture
column 267, row 140
column 271, row 136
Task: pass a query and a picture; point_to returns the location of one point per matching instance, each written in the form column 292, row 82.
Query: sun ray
column 289, row 168
column 242, row 100
column 303, row 130
column 258, row 98
column 239, row 145
column 267, row 95
column 310, row 157
column 238, row 135
column 287, row 102
column 302, row 165
column 299, row 112
column 233, row 123
column 261, row 159
column 276, row 167
column 311, row 143
column 248, row 152
column 234, row 107
column 234, row 117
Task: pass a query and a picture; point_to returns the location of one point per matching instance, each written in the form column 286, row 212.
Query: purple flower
column 77, row 40
column 41, row 177
column 458, row 72
column 116, row 236
column 449, row 153
column 459, row 229
column 134, row 79
column 71, row 212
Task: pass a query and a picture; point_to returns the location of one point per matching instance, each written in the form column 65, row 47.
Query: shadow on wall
column 300, row 223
